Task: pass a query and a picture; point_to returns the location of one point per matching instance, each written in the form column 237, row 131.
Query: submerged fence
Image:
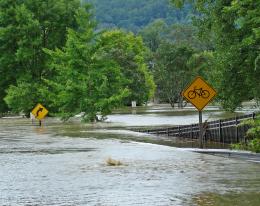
column 223, row 131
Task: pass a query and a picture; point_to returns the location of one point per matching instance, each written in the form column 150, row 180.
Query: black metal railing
column 223, row 131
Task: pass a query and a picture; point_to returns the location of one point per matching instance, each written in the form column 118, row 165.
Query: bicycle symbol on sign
column 192, row 94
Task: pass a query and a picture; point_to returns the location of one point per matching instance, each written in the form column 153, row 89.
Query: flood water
column 65, row 164
column 166, row 116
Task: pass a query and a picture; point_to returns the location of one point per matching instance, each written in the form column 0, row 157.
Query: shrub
column 252, row 135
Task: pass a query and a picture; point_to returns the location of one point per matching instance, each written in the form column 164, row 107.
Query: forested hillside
column 135, row 14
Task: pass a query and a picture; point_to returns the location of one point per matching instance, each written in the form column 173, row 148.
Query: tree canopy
column 233, row 28
column 64, row 63
column 26, row 27
column 96, row 73
column 172, row 71
column 54, row 53
column 86, row 80
column 128, row 51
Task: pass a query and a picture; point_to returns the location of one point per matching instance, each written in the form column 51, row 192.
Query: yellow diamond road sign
column 199, row 93
column 39, row 111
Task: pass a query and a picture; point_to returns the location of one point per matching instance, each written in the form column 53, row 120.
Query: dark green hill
column 135, row 14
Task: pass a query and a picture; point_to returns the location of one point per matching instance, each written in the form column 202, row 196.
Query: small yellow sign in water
column 39, row 111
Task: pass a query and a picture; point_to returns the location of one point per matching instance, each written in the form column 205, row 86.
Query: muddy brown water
column 65, row 164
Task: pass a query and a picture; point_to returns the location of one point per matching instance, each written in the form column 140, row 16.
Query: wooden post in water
column 201, row 130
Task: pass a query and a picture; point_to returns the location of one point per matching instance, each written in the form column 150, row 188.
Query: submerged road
column 66, row 165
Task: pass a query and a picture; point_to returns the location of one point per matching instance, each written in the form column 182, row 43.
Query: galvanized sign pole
column 201, row 143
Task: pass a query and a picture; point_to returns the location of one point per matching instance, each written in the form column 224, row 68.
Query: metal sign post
column 201, row 143
column 199, row 93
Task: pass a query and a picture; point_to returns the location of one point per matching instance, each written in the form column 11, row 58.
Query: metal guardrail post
column 191, row 130
column 220, row 131
column 236, row 126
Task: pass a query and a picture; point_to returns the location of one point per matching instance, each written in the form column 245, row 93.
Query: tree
column 233, row 28
column 158, row 31
column 172, row 71
column 154, row 33
column 85, row 80
column 186, row 34
column 202, row 63
column 8, row 48
column 128, row 51
column 26, row 27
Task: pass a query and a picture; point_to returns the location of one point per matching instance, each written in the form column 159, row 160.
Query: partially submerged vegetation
column 62, row 59
column 252, row 136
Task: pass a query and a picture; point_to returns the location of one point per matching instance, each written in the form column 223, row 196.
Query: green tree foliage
column 233, row 28
column 156, row 36
column 86, row 80
column 154, row 33
column 133, row 15
column 252, row 136
column 128, row 51
column 158, row 32
column 95, row 73
column 202, row 63
column 26, row 27
column 186, row 34
column 172, row 71
column 180, row 3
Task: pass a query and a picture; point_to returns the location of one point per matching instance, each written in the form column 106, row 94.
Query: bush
column 252, row 135
column 254, row 145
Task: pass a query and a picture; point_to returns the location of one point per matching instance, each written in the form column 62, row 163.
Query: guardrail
column 222, row 131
